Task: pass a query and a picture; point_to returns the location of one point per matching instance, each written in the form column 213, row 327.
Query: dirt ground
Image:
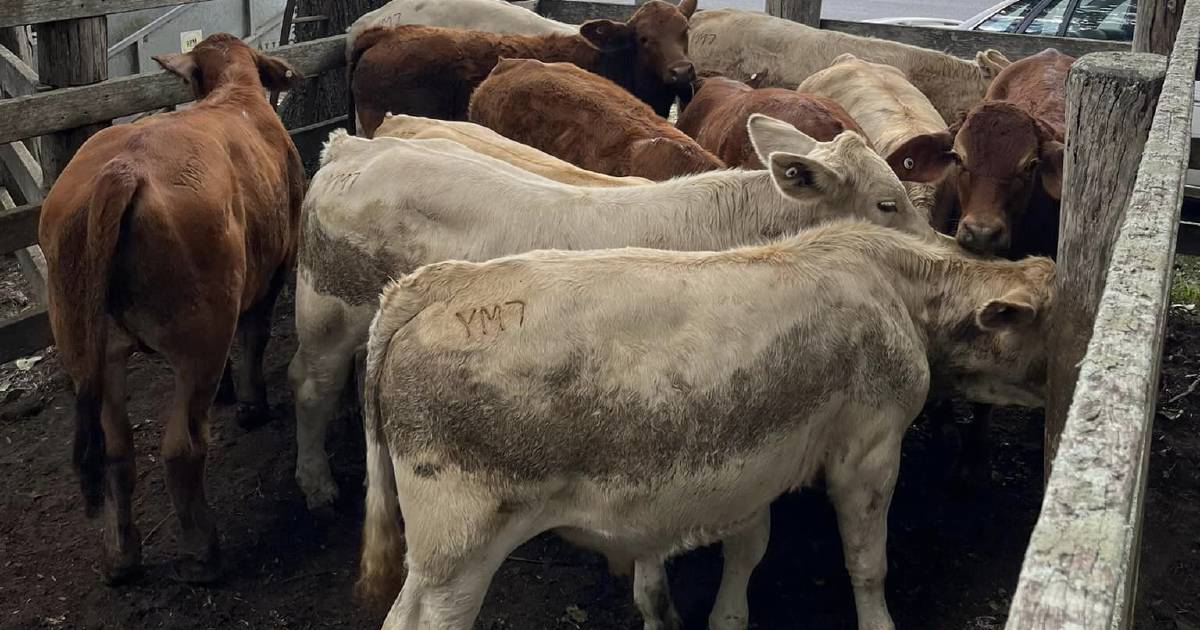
column 954, row 555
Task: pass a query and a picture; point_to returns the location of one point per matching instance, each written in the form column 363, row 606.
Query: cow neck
column 715, row 210
column 235, row 85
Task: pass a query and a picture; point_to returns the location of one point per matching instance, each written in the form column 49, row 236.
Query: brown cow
column 586, row 120
column 716, row 117
column 1005, row 160
column 431, row 71
column 171, row 235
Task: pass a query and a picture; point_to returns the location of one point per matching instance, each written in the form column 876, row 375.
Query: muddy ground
column 953, row 555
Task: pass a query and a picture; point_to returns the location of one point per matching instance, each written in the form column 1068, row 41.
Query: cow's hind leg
column 318, row 378
column 122, row 543
column 860, row 481
column 253, row 333
column 742, row 551
column 652, row 594
column 446, row 593
column 184, row 451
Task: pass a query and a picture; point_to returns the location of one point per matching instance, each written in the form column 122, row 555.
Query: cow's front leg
column 742, row 552
column 861, row 478
column 652, row 594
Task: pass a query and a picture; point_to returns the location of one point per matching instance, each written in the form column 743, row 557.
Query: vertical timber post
column 1156, row 25
column 806, row 12
column 1111, row 98
column 70, row 53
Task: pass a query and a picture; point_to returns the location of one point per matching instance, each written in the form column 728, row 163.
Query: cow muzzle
column 680, row 73
column 980, row 237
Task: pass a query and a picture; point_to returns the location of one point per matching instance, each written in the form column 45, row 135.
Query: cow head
column 844, row 175
column 993, row 346
column 657, row 37
column 223, row 58
column 994, row 159
column 661, row 159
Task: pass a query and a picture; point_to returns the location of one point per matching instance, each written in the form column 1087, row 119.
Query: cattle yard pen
column 1080, row 570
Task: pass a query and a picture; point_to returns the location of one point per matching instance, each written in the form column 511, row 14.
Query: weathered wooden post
column 70, row 53
column 1111, row 98
column 1156, row 25
column 807, row 12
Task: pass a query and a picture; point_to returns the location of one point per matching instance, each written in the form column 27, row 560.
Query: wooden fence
column 1081, row 565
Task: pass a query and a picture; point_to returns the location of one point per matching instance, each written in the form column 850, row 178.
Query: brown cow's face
column 221, row 58
column 659, row 32
column 994, row 161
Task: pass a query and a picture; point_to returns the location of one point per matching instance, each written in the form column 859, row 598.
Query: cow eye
column 887, row 206
column 909, row 163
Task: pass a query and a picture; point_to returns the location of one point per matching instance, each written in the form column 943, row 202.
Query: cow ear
column 800, row 176
column 769, row 135
column 182, row 65
column 607, row 34
column 687, row 8
column 924, row 158
column 990, row 63
column 1011, row 311
column 276, row 74
column 1051, row 168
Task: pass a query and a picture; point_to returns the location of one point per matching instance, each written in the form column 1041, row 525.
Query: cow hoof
column 321, row 498
column 253, row 416
column 193, row 571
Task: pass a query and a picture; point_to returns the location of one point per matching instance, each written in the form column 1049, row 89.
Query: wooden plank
column 578, row 12
column 1080, row 568
column 23, row 170
column 806, row 12
column 18, row 227
column 966, row 43
column 16, row 77
column 1156, row 24
column 68, row 108
column 1110, row 105
column 309, row 140
column 31, row 259
column 70, row 53
column 24, row 335
column 19, row 12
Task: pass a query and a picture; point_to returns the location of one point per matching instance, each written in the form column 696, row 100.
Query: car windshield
column 1103, row 19
column 1049, row 19
column 1008, row 19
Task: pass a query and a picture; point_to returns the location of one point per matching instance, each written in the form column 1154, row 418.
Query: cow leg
column 742, row 551
column 652, row 594
column 184, row 450
column 253, row 333
column 318, row 379
column 452, row 602
column 860, row 483
column 122, row 558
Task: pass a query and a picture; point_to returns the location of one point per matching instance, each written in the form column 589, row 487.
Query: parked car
column 1110, row 20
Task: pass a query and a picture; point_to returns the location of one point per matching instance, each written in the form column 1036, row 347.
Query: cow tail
column 354, row 52
column 84, row 319
column 381, row 569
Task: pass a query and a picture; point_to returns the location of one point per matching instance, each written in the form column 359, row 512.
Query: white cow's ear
column 1011, row 311
column 801, row 177
column 771, row 135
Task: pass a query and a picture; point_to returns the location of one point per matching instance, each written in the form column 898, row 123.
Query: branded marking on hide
column 492, row 317
column 190, row 175
column 343, row 181
column 704, row 39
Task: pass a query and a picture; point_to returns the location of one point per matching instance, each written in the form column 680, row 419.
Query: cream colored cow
column 741, row 44
column 890, row 109
column 644, row 402
column 380, row 208
column 496, row 16
column 483, row 140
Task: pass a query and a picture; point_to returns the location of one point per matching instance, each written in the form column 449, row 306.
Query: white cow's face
column 844, row 174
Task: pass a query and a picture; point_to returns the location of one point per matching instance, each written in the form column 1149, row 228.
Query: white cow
column 380, row 208
column 742, row 44
column 644, row 402
column 890, row 109
column 496, row 16
column 483, row 140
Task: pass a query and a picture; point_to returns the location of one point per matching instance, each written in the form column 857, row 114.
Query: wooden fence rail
column 21, row 12
column 1080, row 569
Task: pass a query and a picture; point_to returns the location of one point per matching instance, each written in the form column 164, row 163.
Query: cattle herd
column 566, row 313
